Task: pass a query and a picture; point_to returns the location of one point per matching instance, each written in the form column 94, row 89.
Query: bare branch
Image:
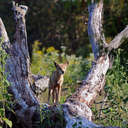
column 21, row 34
column 95, row 30
column 118, row 40
column 4, row 37
column 3, row 33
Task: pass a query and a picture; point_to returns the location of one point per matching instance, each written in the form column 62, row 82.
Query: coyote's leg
column 49, row 94
column 53, row 96
column 56, row 95
column 59, row 93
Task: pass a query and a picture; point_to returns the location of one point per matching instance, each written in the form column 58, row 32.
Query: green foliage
column 115, row 109
column 115, row 16
column 63, row 22
column 4, row 96
column 77, row 125
column 8, row 122
column 52, row 117
column 55, row 23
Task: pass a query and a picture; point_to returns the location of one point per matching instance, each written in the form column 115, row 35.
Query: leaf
column 125, row 100
column 8, row 122
column 74, row 125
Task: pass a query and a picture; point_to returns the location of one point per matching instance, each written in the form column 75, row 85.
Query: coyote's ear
column 56, row 65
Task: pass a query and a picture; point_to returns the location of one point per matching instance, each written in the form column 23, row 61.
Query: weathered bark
column 18, row 68
column 78, row 104
column 95, row 30
column 77, row 107
column 118, row 40
column 39, row 84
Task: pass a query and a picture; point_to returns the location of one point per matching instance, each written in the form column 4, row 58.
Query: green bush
column 4, row 96
column 52, row 118
column 115, row 109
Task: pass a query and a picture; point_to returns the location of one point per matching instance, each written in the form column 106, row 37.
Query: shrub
column 115, row 109
column 4, row 96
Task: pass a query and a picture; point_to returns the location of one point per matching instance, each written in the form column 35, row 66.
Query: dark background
column 63, row 23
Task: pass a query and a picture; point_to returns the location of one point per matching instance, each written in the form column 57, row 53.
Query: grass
column 66, row 92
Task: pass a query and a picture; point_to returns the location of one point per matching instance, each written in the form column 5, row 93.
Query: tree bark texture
column 77, row 107
column 95, row 30
column 39, row 84
column 18, row 68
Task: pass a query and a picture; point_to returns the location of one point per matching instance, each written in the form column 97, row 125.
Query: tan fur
column 56, row 81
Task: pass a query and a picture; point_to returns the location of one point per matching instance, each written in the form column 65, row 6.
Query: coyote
column 56, row 81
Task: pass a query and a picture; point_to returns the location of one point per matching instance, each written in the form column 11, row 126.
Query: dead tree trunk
column 18, row 68
column 78, row 104
column 77, row 107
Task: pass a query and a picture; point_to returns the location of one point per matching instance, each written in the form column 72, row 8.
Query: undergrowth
column 4, row 96
column 111, row 108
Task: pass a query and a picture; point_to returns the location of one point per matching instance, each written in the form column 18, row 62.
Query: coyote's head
column 61, row 68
